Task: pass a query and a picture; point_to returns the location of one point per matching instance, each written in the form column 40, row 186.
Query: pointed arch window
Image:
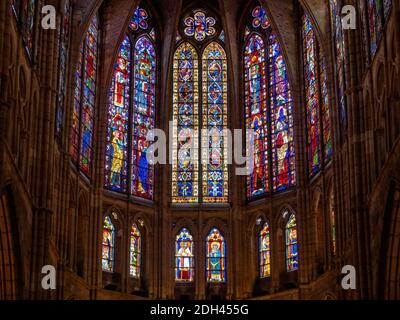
column 374, row 14
column 25, row 12
column 108, row 247
column 135, row 252
column 215, row 115
column 132, row 111
column 340, row 53
column 63, row 53
column 81, row 149
column 268, row 109
column 200, row 101
column 319, row 138
column 184, row 256
column 264, row 249
column 216, row 257
column 291, row 244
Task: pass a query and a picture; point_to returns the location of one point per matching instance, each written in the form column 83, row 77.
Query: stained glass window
column 118, row 122
column 222, row 36
column 215, row 108
column 268, row 106
column 216, row 257
column 143, row 116
column 131, row 113
column 29, row 12
column 264, row 247
column 200, row 103
column 256, row 104
column 84, row 101
column 325, row 109
column 184, row 256
column 152, row 34
column 374, row 13
column 291, row 244
column 108, row 250
column 185, row 124
column 260, row 18
column 312, row 89
column 25, row 12
column 373, row 25
column 135, row 252
column 317, row 101
column 62, row 64
column 139, row 19
column 282, row 135
column 340, row 53
column 199, row 26
column 74, row 144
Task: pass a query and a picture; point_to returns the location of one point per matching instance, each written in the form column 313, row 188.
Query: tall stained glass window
column 282, row 135
column 268, row 107
column 291, row 244
column 312, row 89
column 256, row 84
column 264, row 249
column 63, row 47
column 374, row 14
column 135, row 252
column 118, row 121
column 25, row 12
column 185, row 174
column 81, row 148
column 325, row 112
column 215, row 120
column 108, row 248
column 216, row 257
column 339, row 49
column 131, row 111
column 317, row 101
column 184, row 256
column 200, row 101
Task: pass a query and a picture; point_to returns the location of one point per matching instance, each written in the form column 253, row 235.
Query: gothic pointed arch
column 268, row 107
column 200, row 102
column 132, row 110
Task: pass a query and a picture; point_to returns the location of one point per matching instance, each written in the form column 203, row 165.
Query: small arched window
column 184, row 256
column 108, row 247
column 135, row 252
column 216, row 257
column 264, row 251
column 291, row 244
